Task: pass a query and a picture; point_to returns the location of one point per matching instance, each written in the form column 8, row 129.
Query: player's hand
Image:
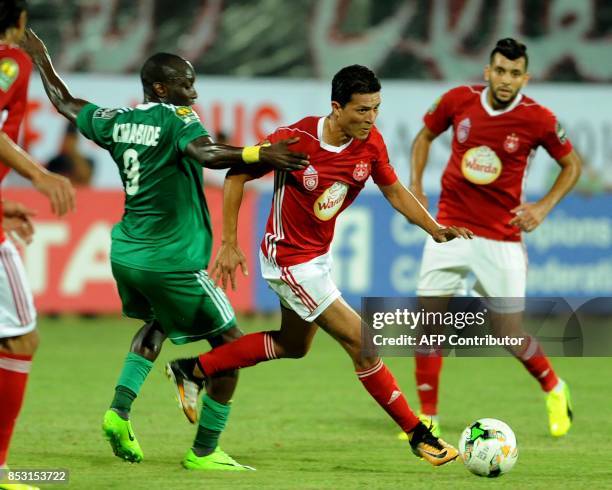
column 33, row 45
column 58, row 190
column 17, row 221
column 420, row 195
column 279, row 156
column 448, row 233
column 529, row 215
column 228, row 258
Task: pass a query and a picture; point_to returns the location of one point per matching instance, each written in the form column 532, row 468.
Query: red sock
column 244, row 352
column 381, row 384
column 14, row 370
column 427, row 375
column 538, row 365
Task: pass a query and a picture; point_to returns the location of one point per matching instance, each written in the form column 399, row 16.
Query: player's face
column 506, row 79
column 180, row 88
column 358, row 116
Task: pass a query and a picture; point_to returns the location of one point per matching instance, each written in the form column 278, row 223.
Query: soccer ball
column 488, row 448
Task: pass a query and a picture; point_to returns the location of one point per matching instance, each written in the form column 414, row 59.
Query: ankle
column 201, row 451
column 125, row 415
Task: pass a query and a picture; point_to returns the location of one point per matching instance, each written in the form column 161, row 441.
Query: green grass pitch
column 304, row 424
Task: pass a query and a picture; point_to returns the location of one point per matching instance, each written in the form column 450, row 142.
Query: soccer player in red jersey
column 18, row 337
column 345, row 149
column 496, row 131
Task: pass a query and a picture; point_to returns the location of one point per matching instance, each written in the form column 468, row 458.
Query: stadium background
column 269, row 62
column 275, row 69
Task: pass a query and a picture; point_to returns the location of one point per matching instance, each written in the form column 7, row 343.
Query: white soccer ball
column 488, row 448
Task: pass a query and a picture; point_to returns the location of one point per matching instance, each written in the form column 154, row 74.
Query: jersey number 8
column 131, row 166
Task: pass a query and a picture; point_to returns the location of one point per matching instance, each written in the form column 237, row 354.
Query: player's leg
column 501, row 272
column 444, row 268
column 190, row 307
column 144, row 349
column 344, row 325
column 18, row 342
column 146, row 346
column 292, row 341
column 16, row 355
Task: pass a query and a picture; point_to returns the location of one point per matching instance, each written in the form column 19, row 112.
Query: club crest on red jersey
column 463, row 130
column 511, row 143
column 310, row 178
column 362, row 171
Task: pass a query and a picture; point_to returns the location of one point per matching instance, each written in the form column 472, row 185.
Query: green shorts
column 187, row 305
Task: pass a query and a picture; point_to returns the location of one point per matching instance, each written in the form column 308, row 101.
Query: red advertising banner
column 68, row 262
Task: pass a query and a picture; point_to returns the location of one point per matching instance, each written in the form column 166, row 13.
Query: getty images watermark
column 486, row 326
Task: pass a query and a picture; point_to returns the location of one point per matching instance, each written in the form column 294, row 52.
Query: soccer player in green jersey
column 161, row 247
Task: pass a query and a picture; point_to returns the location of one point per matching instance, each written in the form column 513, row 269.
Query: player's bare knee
column 148, row 341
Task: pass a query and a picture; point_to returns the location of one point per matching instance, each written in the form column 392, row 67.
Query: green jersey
column 165, row 226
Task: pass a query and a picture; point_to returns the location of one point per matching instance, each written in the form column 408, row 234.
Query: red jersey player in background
column 345, row 148
column 18, row 337
column 496, row 130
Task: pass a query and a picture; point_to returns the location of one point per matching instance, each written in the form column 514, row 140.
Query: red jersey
column 307, row 202
column 484, row 177
column 15, row 69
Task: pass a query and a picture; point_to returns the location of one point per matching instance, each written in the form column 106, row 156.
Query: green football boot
column 559, row 407
column 218, row 460
column 121, row 437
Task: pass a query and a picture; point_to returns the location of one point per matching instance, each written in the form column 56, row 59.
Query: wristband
column 250, row 154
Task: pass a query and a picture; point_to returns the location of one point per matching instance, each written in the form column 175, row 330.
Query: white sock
column 559, row 386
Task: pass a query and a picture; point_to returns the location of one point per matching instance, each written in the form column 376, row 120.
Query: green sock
column 135, row 370
column 213, row 419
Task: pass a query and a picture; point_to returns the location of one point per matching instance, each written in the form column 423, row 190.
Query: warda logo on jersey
column 481, row 165
column 329, row 203
column 511, row 143
column 310, row 179
column 362, row 171
column 463, row 130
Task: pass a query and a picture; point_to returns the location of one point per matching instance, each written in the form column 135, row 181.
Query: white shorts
column 307, row 289
column 17, row 313
column 500, row 269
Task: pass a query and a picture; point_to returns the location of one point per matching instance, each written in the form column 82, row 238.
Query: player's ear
column 336, row 108
column 160, row 90
column 526, row 79
column 487, row 71
column 23, row 19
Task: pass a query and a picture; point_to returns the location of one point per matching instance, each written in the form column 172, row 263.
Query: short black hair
column 10, row 10
column 354, row 79
column 161, row 67
column 510, row 48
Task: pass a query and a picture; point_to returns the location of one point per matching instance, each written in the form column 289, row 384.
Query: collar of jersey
column 146, row 105
column 492, row 112
column 326, row 146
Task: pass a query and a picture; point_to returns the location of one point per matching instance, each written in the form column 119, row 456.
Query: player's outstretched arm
column 230, row 256
column 418, row 161
column 58, row 189
column 56, row 89
column 216, row 156
column 529, row 215
column 406, row 203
